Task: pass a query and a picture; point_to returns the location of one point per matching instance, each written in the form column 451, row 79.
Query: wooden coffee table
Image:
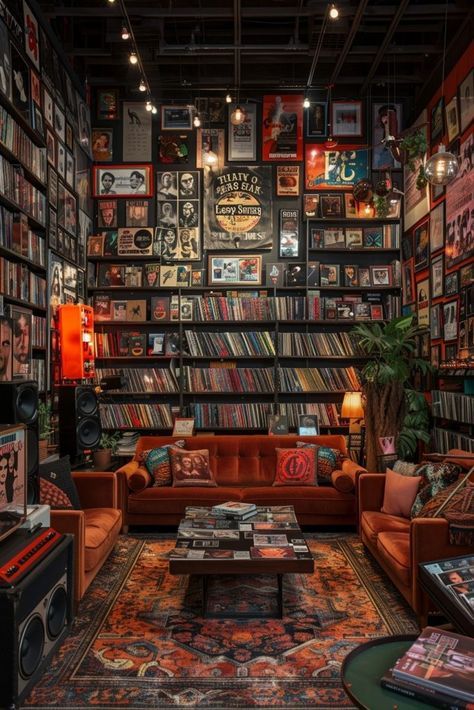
column 270, row 542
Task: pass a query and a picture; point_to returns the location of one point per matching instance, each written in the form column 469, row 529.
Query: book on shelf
column 136, row 310
column 432, row 697
column 95, row 245
column 110, row 242
column 160, row 308
column 277, row 424
column 156, row 344
column 440, row 660
column 137, row 344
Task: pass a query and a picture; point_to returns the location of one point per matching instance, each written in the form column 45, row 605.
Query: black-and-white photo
column 178, row 215
column 123, row 181
column 5, row 64
column 166, row 185
column 188, row 214
column 61, row 161
column 188, row 185
column 59, row 123
column 20, row 82
column 167, row 214
column 168, row 241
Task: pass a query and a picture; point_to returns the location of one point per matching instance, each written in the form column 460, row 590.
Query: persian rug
column 139, row 640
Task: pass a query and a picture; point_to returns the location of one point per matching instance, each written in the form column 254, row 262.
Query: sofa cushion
column 139, row 479
column 158, row 464
column 307, row 500
column 296, row 467
column 342, row 481
column 436, row 477
column 191, row 468
column 56, row 485
column 373, row 522
column 102, row 525
column 394, row 550
column 400, row 492
column 327, row 460
column 406, row 468
column 172, row 500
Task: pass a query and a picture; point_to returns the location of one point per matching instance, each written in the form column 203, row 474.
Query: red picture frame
column 122, row 180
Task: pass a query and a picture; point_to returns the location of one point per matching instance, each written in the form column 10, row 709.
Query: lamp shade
column 442, row 167
column 352, row 406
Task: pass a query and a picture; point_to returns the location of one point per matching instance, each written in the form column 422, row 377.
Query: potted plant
column 393, row 408
column 44, row 429
column 107, row 447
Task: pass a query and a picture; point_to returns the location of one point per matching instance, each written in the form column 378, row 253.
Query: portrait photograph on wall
column 21, row 319
column 122, row 181
column 179, row 214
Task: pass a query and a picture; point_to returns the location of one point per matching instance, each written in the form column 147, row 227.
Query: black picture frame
column 316, row 119
column 437, row 120
column 289, row 234
column 331, row 205
column 451, row 283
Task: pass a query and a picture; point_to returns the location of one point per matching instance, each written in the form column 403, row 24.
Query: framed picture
column 21, row 82
column 332, row 205
column 408, row 281
column 354, row 238
column 344, row 311
column 216, row 109
column 122, row 181
column 295, row 274
column 362, row 311
column 437, row 227
column 107, row 104
column 316, row 238
column 381, row 275
column 346, row 118
column 386, row 119
column 53, row 229
column 451, row 284
column 466, row 275
column 287, row 180
column 336, row 168
column 310, row 206
column 364, row 277
column 52, row 187
column 334, row 238
column 437, row 276
column 351, row 275
column 329, row 274
column 423, row 303
column 308, row 425
column 435, row 355
column 450, row 320
column 466, row 101
column 437, row 120
column 435, row 321
column 21, row 320
column 176, row 118
column 102, row 139
column 317, row 119
column 69, row 136
column 275, row 273
column 277, row 424
column 421, row 239
column 67, row 209
column 59, row 123
column 452, row 119
column 183, row 426
column 237, row 270
column 35, row 88
column 373, row 237
column 69, row 175
column 350, row 205
column 242, row 138
column 61, row 159
column 289, row 237
column 282, row 127
column 376, row 312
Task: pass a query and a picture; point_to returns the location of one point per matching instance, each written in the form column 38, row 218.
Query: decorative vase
column 102, row 459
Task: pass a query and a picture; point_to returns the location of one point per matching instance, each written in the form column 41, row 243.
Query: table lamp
column 352, row 409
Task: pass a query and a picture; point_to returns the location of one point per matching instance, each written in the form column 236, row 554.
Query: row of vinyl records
column 453, row 405
column 13, row 137
column 16, row 235
column 38, row 373
column 18, row 190
column 146, row 380
column 214, row 416
column 445, row 439
column 17, row 281
column 38, row 331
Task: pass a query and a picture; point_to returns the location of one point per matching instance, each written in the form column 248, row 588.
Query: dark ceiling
column 374, row 46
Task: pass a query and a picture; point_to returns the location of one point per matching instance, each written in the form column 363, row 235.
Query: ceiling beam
column 385, row 43
column 349, row 40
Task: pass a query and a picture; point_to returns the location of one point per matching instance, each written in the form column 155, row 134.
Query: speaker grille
column 57, row 612
column 31, row 646
column 88, row 433
column 86, row 402
column 27, row 403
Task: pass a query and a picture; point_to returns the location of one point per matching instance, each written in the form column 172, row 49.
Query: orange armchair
column 95, row 527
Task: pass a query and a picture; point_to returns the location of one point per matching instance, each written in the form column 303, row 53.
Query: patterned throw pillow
column 158, row 464
column 191, row 468
column 436, row 477
column 56, row 485
column 327, row 460
column 296, row 467
column 405, row 468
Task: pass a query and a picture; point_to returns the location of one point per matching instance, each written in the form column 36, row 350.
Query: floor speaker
column 19, row 405
column 78, row 420
column 35, row 616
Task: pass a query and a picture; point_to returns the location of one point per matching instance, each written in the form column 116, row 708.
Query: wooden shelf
column 132, row 358
column 229, row 357
column 15, row 256
column 120, row 323
column 323, row 357
column 24, row 304
column 359, row 250
column 357, row 220
column 357, row 288
column 14, row 207
column 137, row 393
column 12, row 158
column 21, row 120
column 232, row 394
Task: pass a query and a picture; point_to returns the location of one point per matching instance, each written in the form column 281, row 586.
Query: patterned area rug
column 139, row 640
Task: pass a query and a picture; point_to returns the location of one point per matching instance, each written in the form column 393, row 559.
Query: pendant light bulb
column 442, row 167
column 142, row 86
column 237, row 116
column 196, row 121
column 154, row 110
column 133, row 59
column 333, row 12
column 125, row 34
column 148, row 106
column 111, row 2
column 228, row 98
column 306, row 102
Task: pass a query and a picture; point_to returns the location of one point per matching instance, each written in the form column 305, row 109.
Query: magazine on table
column 434, row 698
column 455, row 576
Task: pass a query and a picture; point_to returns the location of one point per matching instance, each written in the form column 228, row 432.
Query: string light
column 306, row 102
column 196, row 121
column 142, row 86
column 111, row 1
column 228, row 99
column 237, row 116
column 333, row 12
column 148, row 106
column 125, row 33
column 154, row 110
column 133, row 59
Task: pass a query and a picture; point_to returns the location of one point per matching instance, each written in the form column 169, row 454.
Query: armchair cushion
column 327, row 460
column 437, row 477
column 296, row 467
column 373, row 522
column 400, row 492
column 158, row 464
column 56, row 485
column 394, row 550
column 102, row 526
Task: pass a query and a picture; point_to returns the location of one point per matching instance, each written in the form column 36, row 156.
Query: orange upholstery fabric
column 372, row 523
column 394, row 549
column 102, row 525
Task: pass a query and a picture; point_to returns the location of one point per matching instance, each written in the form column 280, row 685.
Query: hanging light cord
column 135, row 47
column 444, row 44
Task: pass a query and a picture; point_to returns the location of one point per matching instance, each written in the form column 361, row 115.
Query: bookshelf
column 452, row 406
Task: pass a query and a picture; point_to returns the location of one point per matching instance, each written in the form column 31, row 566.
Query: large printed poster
column 282, row 137
column 417, row 202
column 238, row 212
column 136, row 132
column 334, row 168
column 460, row 209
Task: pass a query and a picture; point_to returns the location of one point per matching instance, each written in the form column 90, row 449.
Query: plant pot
column 102, row 459
column 43, row 449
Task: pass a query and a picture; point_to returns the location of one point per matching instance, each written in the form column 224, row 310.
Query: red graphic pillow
column 295, row 467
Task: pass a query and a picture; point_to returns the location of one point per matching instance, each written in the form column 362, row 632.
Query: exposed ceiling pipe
column 349, row 40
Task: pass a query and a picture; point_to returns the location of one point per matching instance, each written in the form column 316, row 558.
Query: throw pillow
column 436, row 477
column 191, row 468
column 327, row 460
column 405, row 468
column 158, row 464
column 400, row 492
column 56, row 485
column 296, row 467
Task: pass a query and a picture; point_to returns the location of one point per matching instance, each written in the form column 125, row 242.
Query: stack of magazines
column 437, row 669
column 233, row 510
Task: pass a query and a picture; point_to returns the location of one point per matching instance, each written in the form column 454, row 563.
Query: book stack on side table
column 438, row 669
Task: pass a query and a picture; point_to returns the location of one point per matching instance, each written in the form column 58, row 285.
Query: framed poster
column 239, row 217
column 289, row 237
column 122, row 181
column 67, row 209
column 334, row 168
column 136, row 136
column 173, row 148
column 423, row 303
column 452, row 119
column 59, row 123
column 310, row 206
column 102, row 141
column 287, row 180
column 242, row 138
column 346, row 118
column 31, row 36
column 460, row 209
column 437, row 120
column 21, row 83
column 179, row 215
column 107, row 104
column 21, row 320
column 216, row 109
column 416, row 202
column 107, row 214
column 450, row 320
column 386, row 120
column 6, row 338
column 176, row 118
column 282, row 135
column 437, row 276
column 35, row 88
column 466, row 101
column 332, row 205
column 135, row 240
column 408, row 281
column 5, row 63
column 136, row 213
column 84, row 125
column 238, row 270
column 317, row 119
column 435, row 322
column 451, row 284
column 437, row 227
column 421, row 238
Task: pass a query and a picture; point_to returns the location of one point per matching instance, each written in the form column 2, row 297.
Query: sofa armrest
column 73, row 522
column 370, row 491
column 96, row 489
column 124, row 473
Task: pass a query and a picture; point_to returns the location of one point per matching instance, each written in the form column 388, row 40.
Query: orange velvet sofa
column 244, row 469
column 399, row 545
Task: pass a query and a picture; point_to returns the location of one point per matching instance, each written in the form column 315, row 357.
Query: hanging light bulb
column 196, row 121
column 148, row 106
column 142, row 86
column 306, row 102
column 442, row 167
column 333, row 12
column 154, row 109
column 237, row 116
column 125, row 34
column 133, row 59
column 228, row 98
column 111, row 1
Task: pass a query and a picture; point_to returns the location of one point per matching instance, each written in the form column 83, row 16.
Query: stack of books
column 233, row 510
column 437, row 669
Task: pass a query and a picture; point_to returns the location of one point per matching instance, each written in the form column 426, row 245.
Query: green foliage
column 415, row 146
column 109, row 440
column 381, row 206
column 44, row 420
column 415, row 425
column 421, row 180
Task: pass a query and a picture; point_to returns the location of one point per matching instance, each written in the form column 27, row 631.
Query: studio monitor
column 35, row 616
column 79, row 420
column 19, row 405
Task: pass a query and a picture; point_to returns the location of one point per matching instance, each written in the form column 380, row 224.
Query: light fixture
column 111, row 1
column 196, row 121
column 125, row 34
column 132, row 57
column 330, row 141
column 352, row 409
column 154, row 110
column 333, row 12
column 442, row 167
column 237, row 116
column 148, row 106
column 306, row 102
column 209, row 158
column 228, row 98
column 142, row 86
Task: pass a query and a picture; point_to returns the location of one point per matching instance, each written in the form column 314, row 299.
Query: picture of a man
column 187, row 186
column 5, row 350
column 188, row 215
column 107, row 180
column 167, row 186
column 21, row 343
column 137, row 182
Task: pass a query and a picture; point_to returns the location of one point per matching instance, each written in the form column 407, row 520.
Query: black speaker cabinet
column 35, row 616
column 79, row 420
column 19, row 405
